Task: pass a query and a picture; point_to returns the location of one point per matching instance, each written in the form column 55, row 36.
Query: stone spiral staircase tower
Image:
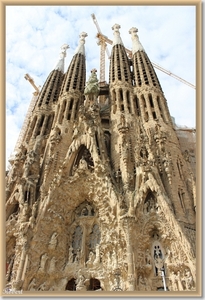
column 100, row 195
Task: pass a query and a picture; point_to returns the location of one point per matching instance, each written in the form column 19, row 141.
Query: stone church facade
column 101, row 192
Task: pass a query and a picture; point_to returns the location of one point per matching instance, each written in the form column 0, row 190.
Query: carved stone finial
column 117, row 39
column 81, row 49
column 60, row 63
column 136, row 45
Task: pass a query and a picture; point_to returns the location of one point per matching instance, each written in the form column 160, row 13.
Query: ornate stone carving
column 43, row 261
column 53, row 241
column 91, row 90
column 32, row 285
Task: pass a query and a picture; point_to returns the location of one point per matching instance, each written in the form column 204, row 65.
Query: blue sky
column 34, row 35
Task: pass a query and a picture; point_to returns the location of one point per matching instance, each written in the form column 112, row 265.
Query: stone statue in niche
column 80, row 282
column 178, row 278
column 89, row 208
column 82, row 164
column 150, row 205
column 90, row 259
column 173, row 279
column 44, row 259
column 53, row 241
column 148, row 258
column 168, row 256
column 52, row 266
column 78, row 256
column 188, row 280
column 141, row 283
column 84, row 211
column 97, row 251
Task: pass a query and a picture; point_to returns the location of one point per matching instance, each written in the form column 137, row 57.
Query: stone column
column 148, row 108
column 142, row 109
column 67, row 108
column 125, row 101
column 43, row 128
column 73, row 110
column 37, row 126
column 156, row 108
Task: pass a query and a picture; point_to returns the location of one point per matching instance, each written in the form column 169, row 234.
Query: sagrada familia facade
column 101, row 191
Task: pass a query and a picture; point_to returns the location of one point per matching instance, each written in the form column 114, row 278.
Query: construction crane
column 102, row 42
column 28, row 114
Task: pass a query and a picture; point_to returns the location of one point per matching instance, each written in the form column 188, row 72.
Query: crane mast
column 30, row 109
column 102, row 42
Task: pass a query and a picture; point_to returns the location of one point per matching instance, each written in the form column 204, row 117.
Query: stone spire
column 60, row 64
column 136, row 45
column 117, row 39
column 81, row 49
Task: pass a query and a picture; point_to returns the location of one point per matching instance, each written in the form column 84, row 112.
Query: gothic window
column 128, row 101
column 49, row 124
column 85, row 236
column 114, row 101
column 94, row 237
column 77, row 238
column 150, row 100
column 39, row 125
column 136, row 100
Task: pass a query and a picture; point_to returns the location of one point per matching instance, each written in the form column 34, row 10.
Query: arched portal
column 94, row 284
column 71, row 285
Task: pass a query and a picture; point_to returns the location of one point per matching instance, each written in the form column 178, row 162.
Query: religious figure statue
column 90, row 259
column 141, row 283
column 147, row 257
column 80, row 282
column 92, row 89
column 83, row 164
column 44, row 258
column 53, row 241
column 189, row 280
column 178, row 278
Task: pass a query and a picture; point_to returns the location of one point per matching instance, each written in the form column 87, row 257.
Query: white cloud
column 34, row 35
